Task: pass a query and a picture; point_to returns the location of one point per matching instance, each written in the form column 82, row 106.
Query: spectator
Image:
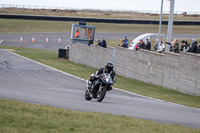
column 161, row 45
column 90, row 41
column 198, row 51
column 188, row 46
column 136, row 47
column 77, row 33
column 184, row 46
column 156, row 46
column 126, row 41
column 141, row 44
column 174, row 46
column 103, row 43
column 147, row 45
column 98, row 42
column 193, row 49
column 122, row 43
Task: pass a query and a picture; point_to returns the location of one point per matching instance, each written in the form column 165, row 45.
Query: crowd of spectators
column 159, row 45
column 142, row 45
column 185, row 47
column 174, row 46
column 124, row 42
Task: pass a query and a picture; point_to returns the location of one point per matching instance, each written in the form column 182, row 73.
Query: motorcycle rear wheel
column 101, row 93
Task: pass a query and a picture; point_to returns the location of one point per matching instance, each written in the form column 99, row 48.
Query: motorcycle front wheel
column 87, row 95
column 101, row 93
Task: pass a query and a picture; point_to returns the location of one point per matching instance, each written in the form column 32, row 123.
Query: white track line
column 48, row 66
column 114, row 88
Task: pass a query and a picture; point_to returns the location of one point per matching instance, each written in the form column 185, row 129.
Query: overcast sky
column 180, row 5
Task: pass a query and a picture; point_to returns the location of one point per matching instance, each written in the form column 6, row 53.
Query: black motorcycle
column 99, row 87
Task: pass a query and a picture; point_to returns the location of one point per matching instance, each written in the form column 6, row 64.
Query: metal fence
column 68, row 8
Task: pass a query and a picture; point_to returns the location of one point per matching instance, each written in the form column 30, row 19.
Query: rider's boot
column 88, row 84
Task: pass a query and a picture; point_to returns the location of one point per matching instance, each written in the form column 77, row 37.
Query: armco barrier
column 97, row 20
column 179, row 72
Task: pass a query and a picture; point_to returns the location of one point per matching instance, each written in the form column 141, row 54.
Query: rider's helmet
column 109, row 66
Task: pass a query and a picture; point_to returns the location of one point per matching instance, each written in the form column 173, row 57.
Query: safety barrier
column 97, row 20
column 179, row 72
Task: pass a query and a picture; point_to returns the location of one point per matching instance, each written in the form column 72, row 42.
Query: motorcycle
column 99, row 87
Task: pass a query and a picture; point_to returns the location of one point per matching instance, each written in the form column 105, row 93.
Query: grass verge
column 30, row 26
column 154, row 91
column 19, row 117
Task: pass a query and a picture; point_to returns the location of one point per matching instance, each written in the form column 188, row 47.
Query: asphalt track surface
column 13, row 39
column 25, row 80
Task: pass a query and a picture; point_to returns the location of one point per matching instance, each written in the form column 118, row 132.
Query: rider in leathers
column 105, row 69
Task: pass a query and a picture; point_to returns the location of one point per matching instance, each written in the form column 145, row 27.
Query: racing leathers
column 96, row 75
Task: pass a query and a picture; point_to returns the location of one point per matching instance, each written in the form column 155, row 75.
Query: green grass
column 20, row 117
column 30, row 26
column 51, row 59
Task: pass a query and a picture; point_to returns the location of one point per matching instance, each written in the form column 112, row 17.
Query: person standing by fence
column 126, row 41
column 103, row 43
column 198, row 51
column 161, row 46
column 174, row 46
column 193, row 49
column 147, row 45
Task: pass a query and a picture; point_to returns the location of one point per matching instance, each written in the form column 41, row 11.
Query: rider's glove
column 97, row 76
